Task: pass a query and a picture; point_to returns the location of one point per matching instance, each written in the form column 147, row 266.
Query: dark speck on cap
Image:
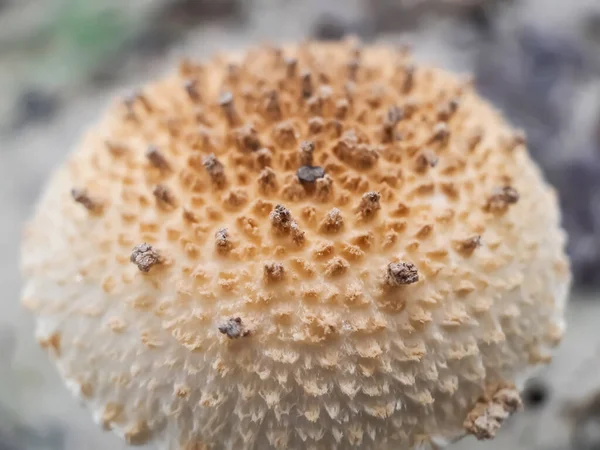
column 310, row 174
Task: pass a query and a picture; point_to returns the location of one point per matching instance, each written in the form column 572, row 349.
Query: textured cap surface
column 317, row 247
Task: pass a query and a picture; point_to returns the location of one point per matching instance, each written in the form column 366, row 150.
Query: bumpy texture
column 314, row 247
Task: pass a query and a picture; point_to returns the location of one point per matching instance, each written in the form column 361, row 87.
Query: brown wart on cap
column 324, row 189
column 188, row 216
column 307, row 149
column 298, row 236
column 277, row 53
column 495, row 406
column 336, row 267
column 272, row 105
column 425, row 160
column 215, row 170
column 401, row 274
column 315, row 105
column 474, row 138
column 356, row 154
column 350, row 91
column 267, row 181
column 233, row 73
column 164, row 196
column 518, row 139
column 156, row 158
column 82, row 197
column 283, row 224
column 333, row 222
column 391, row 119
column 467, row 246
column 334, row 128
column 115, row 148
column 291, row 64
column 409, row 78
column 501, row 199
column 223, row 244
column 189, row 68
column 145, row 257
column 342, row 106
column 191, row 89
column 247, row 138
column 137, row 97
column 284, row 134
column 446, row 111
column 307, row 212
column 440, row 133
column 353, row 66
column 307, row 84
column 234, row 328
column 316, row 125
column 281, row 218
column 369, row 205
column 228, row 106
column 273, row 272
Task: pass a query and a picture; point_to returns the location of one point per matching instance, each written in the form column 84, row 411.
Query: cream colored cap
column 323, row 246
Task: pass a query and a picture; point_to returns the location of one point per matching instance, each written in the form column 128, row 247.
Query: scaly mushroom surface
column 319, row 246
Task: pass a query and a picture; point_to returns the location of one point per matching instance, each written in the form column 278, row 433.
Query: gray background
column 61, row 62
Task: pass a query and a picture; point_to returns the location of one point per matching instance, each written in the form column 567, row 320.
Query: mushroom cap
column 316, row 246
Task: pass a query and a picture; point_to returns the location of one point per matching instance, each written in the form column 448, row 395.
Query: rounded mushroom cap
column 321, row 246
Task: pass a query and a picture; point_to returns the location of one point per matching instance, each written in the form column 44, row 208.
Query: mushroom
column 392, row 287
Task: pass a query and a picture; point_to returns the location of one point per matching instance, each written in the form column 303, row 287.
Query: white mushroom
column 386, row 285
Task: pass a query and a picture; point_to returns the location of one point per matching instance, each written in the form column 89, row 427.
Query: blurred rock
column 34, row 106
column 592, row 26
column 480, row 17
column 169, row 22
column 330, row 27
column 535, row 77
column 536, row 394
column 578, row 182
column 15, row 435
column 173, row 19
column 530, row 77
column 402, row 15
column 192, row 12
column 584, row 418
column 8, row 346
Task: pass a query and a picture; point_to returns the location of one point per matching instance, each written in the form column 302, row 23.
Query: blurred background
column 538, row 60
